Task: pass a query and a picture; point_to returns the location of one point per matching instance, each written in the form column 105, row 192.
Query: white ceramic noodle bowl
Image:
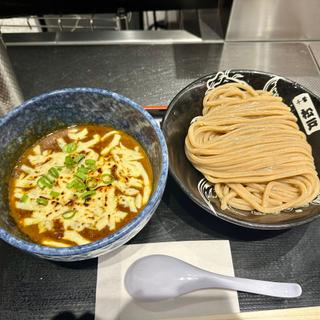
column 158, row 277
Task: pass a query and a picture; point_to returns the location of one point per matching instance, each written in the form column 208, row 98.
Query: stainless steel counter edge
column 102, row 38
column 119, row 37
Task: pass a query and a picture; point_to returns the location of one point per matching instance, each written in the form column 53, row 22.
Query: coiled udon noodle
column 248, row 144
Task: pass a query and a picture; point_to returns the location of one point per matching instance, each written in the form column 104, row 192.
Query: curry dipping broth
column 79, row 184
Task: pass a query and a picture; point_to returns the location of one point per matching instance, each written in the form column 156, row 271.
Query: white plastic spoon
column 158, row 277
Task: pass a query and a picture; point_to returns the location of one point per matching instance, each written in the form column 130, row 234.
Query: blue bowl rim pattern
column 223, row 216
column 76, row 250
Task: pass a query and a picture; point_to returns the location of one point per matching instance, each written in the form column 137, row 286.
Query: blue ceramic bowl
column 41, row 115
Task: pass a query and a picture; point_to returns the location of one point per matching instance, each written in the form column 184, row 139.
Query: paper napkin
column 114, row 303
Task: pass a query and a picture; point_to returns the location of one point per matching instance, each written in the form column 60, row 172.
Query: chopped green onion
column 24, row 198
column 83, row 170
column 81, row 175
column 40, row 183
column 90, row 162
column 42, row 201
column 43, row 182
column 80, row 187
column 87, row 194
column 91, row 183
column 79, row 157
column 54, row 172
column 69, row 162
column 54, row 194
column 107, row 178
column 70, row 184
column 50, row 178
column 70, row 147
column 69, row 214
column 76, row 184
